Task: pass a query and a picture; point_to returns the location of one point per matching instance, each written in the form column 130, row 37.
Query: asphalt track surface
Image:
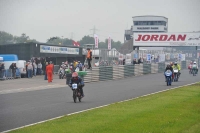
column 23, row 108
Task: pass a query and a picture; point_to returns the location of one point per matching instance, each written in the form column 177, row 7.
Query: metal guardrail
column 7, row 74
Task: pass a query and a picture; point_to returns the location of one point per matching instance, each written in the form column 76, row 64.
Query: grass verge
column 172, row 111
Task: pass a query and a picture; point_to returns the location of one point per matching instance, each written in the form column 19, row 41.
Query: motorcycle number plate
column 176, row 71
column 74, row 86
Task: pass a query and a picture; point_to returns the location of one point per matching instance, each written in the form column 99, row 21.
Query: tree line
column 6, row 38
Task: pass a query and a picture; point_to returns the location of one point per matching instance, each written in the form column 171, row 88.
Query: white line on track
column 97, row 107
column 31, row 89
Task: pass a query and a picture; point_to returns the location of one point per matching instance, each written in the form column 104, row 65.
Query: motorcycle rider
column 79, row 66
column 195, row 67
column 177, row 66
column 76, row 79
column 190, row 66
column 169, row 67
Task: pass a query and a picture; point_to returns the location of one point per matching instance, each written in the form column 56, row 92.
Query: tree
column 60, row 41
column 86, row 40
column 5, row 37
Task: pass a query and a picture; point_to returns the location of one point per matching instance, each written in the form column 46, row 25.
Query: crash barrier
column 122, row 71
column 7, row 74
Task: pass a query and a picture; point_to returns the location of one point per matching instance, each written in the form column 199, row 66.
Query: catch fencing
column 113, row 57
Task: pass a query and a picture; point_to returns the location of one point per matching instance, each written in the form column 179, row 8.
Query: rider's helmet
column 175, row 63
column 75, row 75
column 195, row 62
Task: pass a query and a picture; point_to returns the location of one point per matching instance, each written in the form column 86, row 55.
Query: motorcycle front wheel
column 75, row 95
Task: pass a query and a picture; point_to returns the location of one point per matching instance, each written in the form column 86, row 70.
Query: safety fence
column 105, row 57
column 7, row 74
column 122, row 71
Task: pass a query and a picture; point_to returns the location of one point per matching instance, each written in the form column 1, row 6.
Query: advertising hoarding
column 166, row 39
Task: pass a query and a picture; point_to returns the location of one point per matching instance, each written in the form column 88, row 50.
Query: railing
column 7, row 74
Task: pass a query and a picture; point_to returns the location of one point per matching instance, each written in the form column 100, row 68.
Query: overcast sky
column 42, row 19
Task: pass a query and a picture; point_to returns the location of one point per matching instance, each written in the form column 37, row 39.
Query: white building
column 148, row 23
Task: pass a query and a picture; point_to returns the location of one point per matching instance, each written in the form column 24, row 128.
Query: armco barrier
column 118, row 72
column 183, row 64
column 154, row 68
column 146, row 68
column 138, row 69
column 129, row 70
column 105, row 73
column 161, row 67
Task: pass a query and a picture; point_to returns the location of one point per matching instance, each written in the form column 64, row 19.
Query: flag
column 109, row 43
column 96, row 40
column 75, row 43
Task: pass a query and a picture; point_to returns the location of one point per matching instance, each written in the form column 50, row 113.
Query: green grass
column 174, row 111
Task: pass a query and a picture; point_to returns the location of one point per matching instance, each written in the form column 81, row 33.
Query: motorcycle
column 176, row 75
column 194, row 71
column 76, row 92
column 61, row 73
column 168, row 75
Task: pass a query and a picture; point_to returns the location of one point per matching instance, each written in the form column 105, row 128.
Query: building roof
column 149, row 16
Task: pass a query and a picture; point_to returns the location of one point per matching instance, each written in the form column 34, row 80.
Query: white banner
column 58, row 50
column 161, row 57
column 109, row 43
column 128, row 59
column 96, row 41
column 121, row 57
column 166, row 39
column 182, row 57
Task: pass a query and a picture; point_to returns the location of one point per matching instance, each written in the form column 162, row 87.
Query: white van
column 21, row 64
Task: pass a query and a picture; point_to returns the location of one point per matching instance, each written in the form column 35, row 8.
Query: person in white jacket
column 35, row 68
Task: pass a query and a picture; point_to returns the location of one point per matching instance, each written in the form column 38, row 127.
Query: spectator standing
column 2, row 71
column 52, row 66
column 49, row 70
column 79, row 66
column 134, row 61
column 39, row 68
column 45, row 72
column 30, row 70
column 35, row 67
column 13, row 68
column 123, row 61
column 89, row 58
column 139, row 60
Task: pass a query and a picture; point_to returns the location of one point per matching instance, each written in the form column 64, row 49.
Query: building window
column 150, row 23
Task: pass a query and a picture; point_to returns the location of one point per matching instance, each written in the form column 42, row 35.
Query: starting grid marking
column 31, row 89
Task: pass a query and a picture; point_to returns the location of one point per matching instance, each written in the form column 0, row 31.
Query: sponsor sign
column 166, row 39
column 148, row 57
column 58, row 50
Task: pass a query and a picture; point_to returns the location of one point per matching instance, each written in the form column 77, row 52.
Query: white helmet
column 195, row 62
